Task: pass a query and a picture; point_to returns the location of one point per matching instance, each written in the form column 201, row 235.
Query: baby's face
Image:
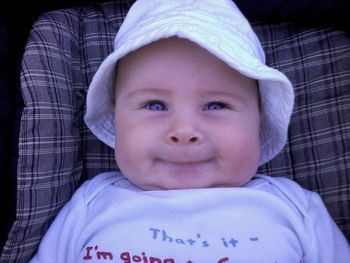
column 184, row 119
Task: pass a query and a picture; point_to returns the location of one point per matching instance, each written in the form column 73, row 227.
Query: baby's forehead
column 162, row 47
column 175, row 57
column 178, row 66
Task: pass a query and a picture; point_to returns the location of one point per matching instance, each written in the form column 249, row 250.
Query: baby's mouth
column 184, row 164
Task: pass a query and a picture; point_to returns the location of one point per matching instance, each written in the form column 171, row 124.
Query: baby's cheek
column 242, row 146
column 125, row 159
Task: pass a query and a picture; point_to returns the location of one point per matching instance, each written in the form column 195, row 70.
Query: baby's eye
column 215, row 106
column 156, row 106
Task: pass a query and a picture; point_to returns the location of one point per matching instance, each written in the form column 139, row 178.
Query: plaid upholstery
column 58, row 153
column 317, row 155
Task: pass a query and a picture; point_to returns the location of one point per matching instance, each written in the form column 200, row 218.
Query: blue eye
column 215, row 106
column 156, row 106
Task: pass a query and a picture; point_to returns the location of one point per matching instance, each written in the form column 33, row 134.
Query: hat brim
column 276, row 92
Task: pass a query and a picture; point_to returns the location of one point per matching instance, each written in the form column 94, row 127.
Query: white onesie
column 270, row 220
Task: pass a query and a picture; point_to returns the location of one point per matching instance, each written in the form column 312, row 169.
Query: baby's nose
column 185, row 136
column 178, row 139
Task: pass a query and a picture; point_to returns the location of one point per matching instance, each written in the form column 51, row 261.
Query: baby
column 192, row 110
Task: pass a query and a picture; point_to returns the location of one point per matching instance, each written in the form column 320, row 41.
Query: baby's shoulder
column 286, row 189
column 99, row 183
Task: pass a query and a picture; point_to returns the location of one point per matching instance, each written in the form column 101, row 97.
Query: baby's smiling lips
column 184, row 164
column 183, row 161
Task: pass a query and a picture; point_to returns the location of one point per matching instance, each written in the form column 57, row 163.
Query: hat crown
column 224, row 15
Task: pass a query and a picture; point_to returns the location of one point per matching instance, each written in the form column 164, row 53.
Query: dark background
column 16, row 18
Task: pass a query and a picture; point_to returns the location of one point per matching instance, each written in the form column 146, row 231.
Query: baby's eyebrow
column 149, row 91
column 204, row 93
column 222, row 94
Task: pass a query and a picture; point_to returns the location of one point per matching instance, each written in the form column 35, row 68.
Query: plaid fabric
column 317, row 154
column 58, row 153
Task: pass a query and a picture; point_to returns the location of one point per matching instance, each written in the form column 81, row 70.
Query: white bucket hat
column 217, row 26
